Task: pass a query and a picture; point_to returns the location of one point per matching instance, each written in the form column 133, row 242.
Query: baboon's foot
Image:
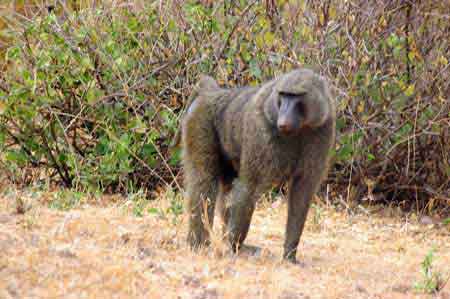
column 197, row 240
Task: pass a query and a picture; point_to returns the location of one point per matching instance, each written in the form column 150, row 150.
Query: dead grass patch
column 102, row 250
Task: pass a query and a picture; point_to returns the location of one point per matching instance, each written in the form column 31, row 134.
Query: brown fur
column 238, row 142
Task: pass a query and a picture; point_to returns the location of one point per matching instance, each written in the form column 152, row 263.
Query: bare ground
column 102, row 250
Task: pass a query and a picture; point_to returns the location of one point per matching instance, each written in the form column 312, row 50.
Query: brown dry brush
column 399, row 109
column 388, row 62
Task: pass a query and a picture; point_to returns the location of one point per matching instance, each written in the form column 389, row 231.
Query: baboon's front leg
column 301, row 190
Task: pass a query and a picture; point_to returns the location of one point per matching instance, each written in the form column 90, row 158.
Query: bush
column 90, row 100
column 93, row 96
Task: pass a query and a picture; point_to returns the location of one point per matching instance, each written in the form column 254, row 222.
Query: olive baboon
column 238, row 142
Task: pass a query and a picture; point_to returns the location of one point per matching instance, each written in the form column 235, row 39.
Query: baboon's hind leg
column 201, row 173
column 222, row 203
column 221, row 207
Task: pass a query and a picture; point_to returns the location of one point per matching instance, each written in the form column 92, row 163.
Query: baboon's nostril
column 284, row 127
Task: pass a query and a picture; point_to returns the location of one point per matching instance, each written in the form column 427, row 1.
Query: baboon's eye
column 279, row 100
column 286, row 94
column 301, row 109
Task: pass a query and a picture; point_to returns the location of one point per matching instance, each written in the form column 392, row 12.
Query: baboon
column 237, row 143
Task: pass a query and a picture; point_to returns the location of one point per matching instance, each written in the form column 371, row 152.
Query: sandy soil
column 102, row 250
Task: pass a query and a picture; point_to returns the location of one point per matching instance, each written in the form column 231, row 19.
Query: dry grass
column 101, row 250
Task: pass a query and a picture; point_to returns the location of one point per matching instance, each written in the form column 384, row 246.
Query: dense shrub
column 91, row 97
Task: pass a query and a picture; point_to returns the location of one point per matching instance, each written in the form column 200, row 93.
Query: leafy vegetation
column 433, row 280
column 90, row 96
column 174, row 209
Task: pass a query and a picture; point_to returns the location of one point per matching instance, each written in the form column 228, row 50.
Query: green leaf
column 153, row 211
column 93, row 95
column 175, row 157
column 255, row 70
column 62, row 158
column 133, row 24
column 171, row 26
column 86, row 63
column 269, row 38
column 2, row 138
column 17, row 157
column 409, row 91
column 13, row 53
column 345, row 152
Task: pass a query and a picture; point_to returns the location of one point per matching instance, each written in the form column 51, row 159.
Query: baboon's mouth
column 287, row 131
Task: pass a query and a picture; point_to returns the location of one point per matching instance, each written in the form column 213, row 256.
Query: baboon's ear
column 292, row 90
column 207, row 83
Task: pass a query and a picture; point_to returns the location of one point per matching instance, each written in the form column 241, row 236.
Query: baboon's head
column 298, row 100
